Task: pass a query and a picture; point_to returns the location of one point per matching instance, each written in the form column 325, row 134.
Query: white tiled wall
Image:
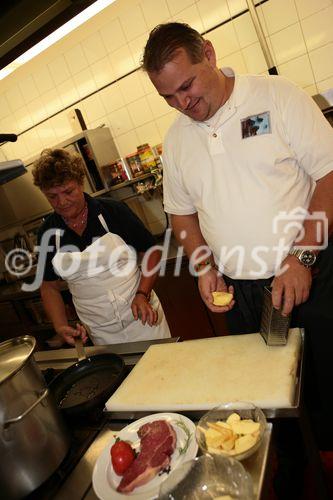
column 299, row 33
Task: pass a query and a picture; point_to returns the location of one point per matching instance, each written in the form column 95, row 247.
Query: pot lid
column 13, row 354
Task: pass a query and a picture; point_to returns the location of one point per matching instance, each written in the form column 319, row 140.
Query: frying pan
column 88, row 383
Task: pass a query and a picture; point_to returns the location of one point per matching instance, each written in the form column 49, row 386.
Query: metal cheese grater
column 274, row 327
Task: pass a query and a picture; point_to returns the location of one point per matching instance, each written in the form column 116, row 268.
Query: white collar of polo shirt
column 236, row 98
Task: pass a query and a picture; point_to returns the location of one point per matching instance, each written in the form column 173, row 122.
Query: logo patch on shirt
column 256, row 125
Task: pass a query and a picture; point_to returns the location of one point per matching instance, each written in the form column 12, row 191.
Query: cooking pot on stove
column 33, row 436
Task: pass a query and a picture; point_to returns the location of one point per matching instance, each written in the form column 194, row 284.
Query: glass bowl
column 207, row 477
column 238, row 438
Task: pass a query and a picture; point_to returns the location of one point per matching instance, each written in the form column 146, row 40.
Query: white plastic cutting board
column 200, row 374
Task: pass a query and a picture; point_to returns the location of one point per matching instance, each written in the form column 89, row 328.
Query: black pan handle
column 8, row 137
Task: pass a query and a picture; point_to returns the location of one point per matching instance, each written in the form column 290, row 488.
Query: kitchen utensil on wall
column 274, row 327
column 88, row 383
column 272, row 70
column 8, row 138
column 33, row 437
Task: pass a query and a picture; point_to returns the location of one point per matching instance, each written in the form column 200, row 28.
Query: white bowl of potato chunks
column 232, row 429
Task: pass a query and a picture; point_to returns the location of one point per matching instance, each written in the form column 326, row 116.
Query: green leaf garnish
column 183, row 426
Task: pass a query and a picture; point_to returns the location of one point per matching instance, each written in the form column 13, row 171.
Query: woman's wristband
column 204, row 264
column 145, row 294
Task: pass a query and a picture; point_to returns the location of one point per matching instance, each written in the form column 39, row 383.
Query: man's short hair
column 165, row 39
column 56, row 167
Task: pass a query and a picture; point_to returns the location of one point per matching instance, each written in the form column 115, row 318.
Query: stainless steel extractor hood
column 10, row 169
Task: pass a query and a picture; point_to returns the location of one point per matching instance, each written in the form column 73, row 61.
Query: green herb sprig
column 183, row 449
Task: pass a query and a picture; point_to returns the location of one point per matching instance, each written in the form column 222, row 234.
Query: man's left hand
column 142, row 309
column 292, row 287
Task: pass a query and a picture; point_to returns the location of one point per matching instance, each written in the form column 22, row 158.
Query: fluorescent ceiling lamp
column 54, row 37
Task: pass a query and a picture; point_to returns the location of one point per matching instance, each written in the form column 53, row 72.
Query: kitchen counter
column 78, row 486
column 13, row 291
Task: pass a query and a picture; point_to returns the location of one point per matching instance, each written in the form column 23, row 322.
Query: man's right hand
column 68, row 333
column 212, row 281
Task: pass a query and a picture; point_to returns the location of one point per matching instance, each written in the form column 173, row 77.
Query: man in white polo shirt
column 248, row 176
column 247, row 156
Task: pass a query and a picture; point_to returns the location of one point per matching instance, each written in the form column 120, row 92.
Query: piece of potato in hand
column 222, row 298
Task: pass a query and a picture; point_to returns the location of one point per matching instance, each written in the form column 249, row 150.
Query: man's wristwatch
column 306, row 257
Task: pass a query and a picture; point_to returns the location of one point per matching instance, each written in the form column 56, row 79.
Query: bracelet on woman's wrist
column 145, row 294
column 203, row 264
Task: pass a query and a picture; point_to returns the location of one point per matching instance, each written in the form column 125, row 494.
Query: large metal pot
column 33, row 437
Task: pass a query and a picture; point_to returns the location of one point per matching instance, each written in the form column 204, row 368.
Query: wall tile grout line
column 232, row 17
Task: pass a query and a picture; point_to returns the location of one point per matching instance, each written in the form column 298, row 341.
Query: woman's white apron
column 103, row 280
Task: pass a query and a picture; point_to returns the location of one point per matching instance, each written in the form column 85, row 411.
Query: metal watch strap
column 295, row 251
column 302, row 254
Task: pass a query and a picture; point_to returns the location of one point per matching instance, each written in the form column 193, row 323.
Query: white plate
column 105, row 480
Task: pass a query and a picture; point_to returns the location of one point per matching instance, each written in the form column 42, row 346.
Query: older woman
column 93, row 244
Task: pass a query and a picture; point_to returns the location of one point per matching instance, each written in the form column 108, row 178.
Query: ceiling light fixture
column 54, row 37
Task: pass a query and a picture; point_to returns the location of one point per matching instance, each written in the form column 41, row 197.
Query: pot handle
column 14, row 420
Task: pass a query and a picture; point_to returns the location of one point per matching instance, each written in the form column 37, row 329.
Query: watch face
column 308, row 258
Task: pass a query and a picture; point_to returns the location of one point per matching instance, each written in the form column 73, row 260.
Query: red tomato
column 122, row 455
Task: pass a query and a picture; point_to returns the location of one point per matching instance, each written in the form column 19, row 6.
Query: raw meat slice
column 158, row 442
